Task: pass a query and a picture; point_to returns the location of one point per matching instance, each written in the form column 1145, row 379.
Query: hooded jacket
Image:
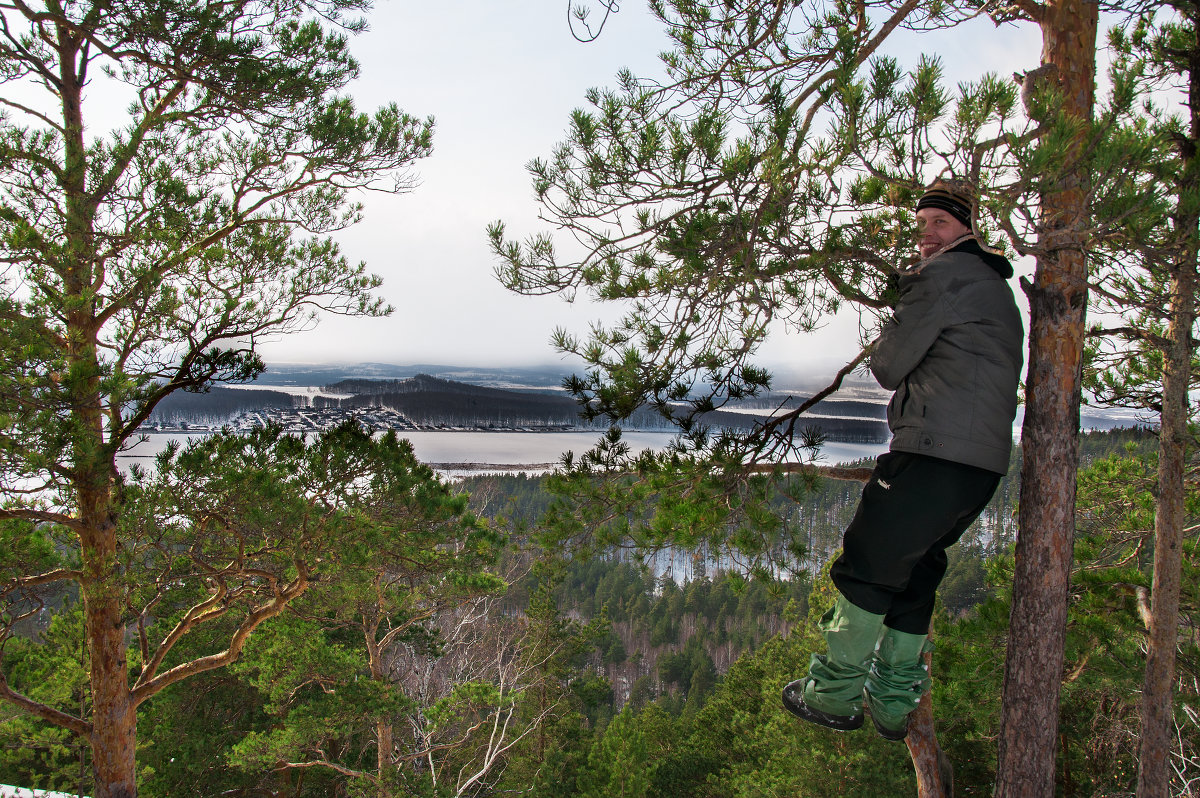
column 953, row 353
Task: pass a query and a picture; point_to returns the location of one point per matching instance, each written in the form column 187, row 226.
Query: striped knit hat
column 958, row 197
column 954, row 196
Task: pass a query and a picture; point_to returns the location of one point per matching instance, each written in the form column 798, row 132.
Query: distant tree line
column 826, row 407
column 428, row 401
column 217, row 405
column 488, row 409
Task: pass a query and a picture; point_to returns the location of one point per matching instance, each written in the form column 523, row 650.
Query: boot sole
column 794, row 703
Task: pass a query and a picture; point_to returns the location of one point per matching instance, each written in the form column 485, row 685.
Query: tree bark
column 385, row 741
column 1157, row 709
column 1157, row 717
column 1049, row 437
column 114, row 717
column 384, row 731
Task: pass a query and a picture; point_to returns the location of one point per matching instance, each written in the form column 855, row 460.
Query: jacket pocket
column 904, row 394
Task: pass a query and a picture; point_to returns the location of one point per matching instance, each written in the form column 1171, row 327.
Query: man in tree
column 953, row 355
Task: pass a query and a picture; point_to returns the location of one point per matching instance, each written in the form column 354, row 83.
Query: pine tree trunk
column 384, row 731
column 114, row 715
column 114, row 718
column 1156, row 709
column 383, row 756
column 1157, row 694
column 1049, row 438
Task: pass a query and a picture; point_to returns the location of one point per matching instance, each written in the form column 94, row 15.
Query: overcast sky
column 501, row 79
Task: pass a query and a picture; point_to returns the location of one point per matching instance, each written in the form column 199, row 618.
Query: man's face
column 936, row 228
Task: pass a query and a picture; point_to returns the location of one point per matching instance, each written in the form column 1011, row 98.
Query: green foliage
column 965, row 583
column 405, row 554
column 565, row 701
column 309, row 679
column 673, row 498
column 691, row 670
column 368, row 545
column 54, row 671
column 620, row 762
column 187, row 736
column 1137, row 270
column 1111, row 594
column 742, row 742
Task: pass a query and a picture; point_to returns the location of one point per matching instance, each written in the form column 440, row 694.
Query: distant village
column 315, row 419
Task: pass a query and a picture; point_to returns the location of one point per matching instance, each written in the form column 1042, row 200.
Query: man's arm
column 916, row 324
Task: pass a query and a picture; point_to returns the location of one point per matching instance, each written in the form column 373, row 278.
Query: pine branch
column 47, row 578
column 40, row 517
column 829, row 472
column 1129, row 334
column 770, row 428
column 148, row 685
column 47, row 713
column 325, row 763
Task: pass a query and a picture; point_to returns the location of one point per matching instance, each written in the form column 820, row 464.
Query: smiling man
column 952, row 353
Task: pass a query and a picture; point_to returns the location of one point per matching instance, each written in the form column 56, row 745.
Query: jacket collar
column 969, row 244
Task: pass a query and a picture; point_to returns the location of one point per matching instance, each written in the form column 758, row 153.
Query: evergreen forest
column 598, row 676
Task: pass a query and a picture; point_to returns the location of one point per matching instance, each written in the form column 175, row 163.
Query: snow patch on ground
column 8, row 791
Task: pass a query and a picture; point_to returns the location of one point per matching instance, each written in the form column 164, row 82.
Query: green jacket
column 953, row 353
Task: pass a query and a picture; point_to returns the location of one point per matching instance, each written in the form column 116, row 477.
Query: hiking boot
column 793, row 701
column 832, row 693
column 895, row 735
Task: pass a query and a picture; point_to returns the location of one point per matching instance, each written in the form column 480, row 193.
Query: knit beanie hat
column 955, row 197
column 958, row 197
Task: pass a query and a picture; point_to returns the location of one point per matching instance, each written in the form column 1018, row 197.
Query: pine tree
column 151, row 258
column 1148, row 278
column 1049, row 433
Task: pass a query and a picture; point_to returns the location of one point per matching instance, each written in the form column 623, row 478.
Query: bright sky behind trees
column 501, row 79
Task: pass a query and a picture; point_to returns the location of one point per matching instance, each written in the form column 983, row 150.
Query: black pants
column 894, row 551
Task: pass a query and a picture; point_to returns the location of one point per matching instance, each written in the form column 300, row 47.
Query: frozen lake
column 540, row 449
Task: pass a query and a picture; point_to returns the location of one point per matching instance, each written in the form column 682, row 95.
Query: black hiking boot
column 793, row 701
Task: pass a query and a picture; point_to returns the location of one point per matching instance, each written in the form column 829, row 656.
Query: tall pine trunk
column 114, row 715
column 1157, row 708
column 1050, row 436
column 385, row 739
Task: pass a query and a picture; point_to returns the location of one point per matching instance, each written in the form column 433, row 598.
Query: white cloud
column 501, row 78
